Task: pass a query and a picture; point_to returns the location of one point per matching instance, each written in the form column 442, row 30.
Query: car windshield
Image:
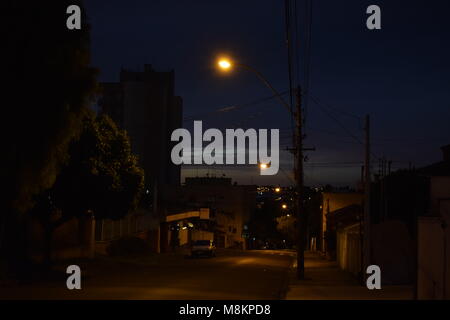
column 201, row 243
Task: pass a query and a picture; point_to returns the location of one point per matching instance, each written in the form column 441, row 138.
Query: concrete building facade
column 230, row 206
column 333, row 201
column 433, row 243
column 144, row 104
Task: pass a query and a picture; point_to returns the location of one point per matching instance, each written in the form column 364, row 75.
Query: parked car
column 203, row 247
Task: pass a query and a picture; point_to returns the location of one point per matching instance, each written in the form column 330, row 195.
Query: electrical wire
column 232, row 108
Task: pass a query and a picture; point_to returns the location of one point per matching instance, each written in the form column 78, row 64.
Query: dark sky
column 400, row 75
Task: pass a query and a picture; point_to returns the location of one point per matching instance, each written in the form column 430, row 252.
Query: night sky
column 400, row 75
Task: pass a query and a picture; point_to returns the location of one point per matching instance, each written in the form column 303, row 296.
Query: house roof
column 345, row 216
column 436, row 169
column 442, row 168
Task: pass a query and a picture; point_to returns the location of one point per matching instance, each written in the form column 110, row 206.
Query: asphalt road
column 229, row 275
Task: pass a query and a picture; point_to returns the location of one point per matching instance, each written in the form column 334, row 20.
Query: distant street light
column 264, row 166
column 224, row 64
column 277, row 189
column 284, row 206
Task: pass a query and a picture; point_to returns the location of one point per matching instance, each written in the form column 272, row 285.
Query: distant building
column 342, row 229
column 391, row 245
column 332, row 201
column 230, row 206
column 144, row 104
column 433, row 243
column 346, row 222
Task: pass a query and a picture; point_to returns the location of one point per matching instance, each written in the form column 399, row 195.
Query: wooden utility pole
column 367, row 247
column 301, row 217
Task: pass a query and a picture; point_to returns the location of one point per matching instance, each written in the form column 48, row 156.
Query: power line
column 309, row 15
column 292, row 180
column 335, row 109
column 297, row 43
column 335, row 120
column 337, row 162
column 233, row 108
column 289, row 58
column 349, row 132
column 287, row 14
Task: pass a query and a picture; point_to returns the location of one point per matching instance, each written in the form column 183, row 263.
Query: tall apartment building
column 144, row 103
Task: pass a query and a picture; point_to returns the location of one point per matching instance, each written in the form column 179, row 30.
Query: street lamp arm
column 264, row 80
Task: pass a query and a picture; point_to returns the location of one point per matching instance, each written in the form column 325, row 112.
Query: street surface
column 324, row 280
column 230, row 275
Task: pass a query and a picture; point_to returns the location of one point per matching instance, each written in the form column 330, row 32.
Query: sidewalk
column 325, row 281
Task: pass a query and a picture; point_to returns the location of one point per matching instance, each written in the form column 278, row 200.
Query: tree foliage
column 262, row 224
column 49, row 86
column 102, row 176
column 287, row 225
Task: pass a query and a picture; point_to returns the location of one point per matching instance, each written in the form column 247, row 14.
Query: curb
column 285, row 287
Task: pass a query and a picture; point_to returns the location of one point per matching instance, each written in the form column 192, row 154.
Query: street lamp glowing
column 277, row 189
column 284, row 206
column 224, row 64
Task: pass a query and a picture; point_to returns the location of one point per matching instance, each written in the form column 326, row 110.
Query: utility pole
column 301, row 216
column 381, row 181
column 366, row 243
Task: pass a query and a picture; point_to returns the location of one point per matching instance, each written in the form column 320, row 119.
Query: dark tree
column 49, row 85
column 263, row 224
column 102, row 178
column 287, row 226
